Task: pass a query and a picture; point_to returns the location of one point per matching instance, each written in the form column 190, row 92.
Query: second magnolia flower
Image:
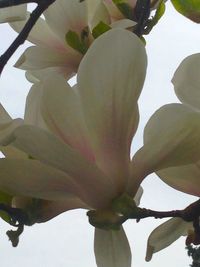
column 78, row 146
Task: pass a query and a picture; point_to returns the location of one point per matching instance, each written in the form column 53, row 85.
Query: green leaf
column 159, row 12
column 74, row 41
column 188, row 8
column 124, row 8
column 99, row 29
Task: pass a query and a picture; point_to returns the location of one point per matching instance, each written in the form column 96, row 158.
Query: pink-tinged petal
column 40, row 34
column 112, row 248
column 36, row 57
column 171, row 138
column 165, row 234
column 98, row 189
column 13, row 13
column 33, row 107
column 31, row 178
column 109, row 97
column 183, row 178
column 44, row 210
column 186, row 81
column 62, row 113
column 63, row 16
column 4, row 116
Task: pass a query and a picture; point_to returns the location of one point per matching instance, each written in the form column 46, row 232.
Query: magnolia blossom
column 79, row 151
column 185, row 178
column 13, row 13
column 51, row 50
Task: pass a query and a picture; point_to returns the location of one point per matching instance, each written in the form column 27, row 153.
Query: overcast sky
column 67, row 240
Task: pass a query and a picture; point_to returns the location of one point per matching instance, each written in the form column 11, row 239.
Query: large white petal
column 49, row 149
column 33, row 107
column 109, row 83
column 13, row 13
column 171, row 138
column 165, row 234
column 36, row 57
column 112, row 248
column 40, row 34
column 183, row 178
column 62, row 112
column 186, row 81
column 32, row 178
column 65, row 15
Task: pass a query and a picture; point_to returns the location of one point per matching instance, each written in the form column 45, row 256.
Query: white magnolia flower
column 83, row 158
column 185, row 178
column 51, row 51
column 13, row 13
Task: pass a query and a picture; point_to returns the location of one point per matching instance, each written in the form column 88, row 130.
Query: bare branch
column 9, row 3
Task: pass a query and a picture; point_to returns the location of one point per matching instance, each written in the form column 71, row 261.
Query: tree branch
column 9, row 3
column 20, row 39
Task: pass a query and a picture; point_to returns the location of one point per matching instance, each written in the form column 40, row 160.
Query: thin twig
column 20, row 39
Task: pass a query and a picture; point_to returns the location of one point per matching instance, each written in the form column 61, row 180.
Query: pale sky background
column 67, row 240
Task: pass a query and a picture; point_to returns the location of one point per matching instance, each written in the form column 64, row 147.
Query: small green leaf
column 99, row 29
column 74, row 41
column 188, row 8
column 159, row 12
column 124, row 8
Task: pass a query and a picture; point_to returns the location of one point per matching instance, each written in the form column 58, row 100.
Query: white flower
column 84, row 155
column 13, row 13
column 185, row 178
column 51, row 51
